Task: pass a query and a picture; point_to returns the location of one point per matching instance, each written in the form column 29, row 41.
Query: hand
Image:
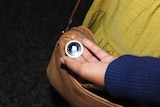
column 91, row 65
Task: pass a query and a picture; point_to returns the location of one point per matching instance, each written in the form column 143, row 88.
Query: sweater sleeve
column 134, row 78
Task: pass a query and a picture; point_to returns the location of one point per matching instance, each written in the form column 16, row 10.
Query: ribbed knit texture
column 135, row 78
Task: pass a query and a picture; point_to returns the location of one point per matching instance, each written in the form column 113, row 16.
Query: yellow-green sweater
column 126, row 26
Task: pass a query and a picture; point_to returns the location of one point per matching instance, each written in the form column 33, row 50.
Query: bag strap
column 72, row 15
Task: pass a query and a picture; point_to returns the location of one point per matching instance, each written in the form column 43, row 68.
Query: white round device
column 73, row 49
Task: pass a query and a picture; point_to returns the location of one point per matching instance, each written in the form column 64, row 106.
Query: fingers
column 91, row 71
column 71, row 63
column 96, row 50
column 88, row 56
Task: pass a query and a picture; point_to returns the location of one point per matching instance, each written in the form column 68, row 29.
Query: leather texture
column 65, row 82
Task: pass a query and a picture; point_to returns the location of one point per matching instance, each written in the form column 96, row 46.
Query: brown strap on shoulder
column 72, row 15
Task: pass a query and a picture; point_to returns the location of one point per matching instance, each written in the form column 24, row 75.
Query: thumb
column 71, row 63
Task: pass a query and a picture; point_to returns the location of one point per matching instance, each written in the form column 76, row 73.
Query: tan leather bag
column 65, row 82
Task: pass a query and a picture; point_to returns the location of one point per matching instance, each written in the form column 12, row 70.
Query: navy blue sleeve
column 134, row 78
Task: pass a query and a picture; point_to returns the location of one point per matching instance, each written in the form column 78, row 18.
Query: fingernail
column 62, row 60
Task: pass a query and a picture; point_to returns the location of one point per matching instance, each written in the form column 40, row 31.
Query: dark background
column 29, row 30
